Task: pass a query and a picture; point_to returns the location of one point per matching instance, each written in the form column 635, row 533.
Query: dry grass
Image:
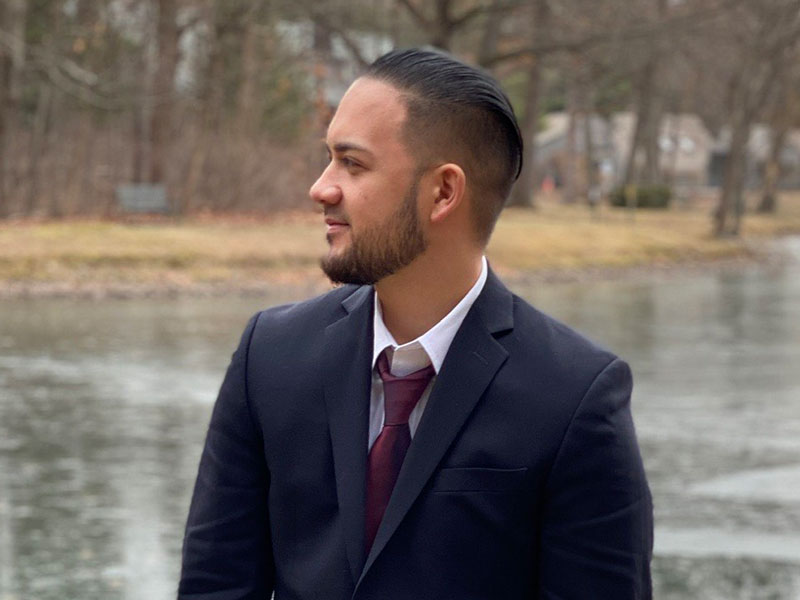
column 190, row 252
column 571, row 237
column 237, row 251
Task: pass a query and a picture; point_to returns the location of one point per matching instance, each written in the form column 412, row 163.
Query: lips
column 335, row 225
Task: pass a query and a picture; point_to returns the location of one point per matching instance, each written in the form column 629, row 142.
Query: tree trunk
column 161, row 118
column 139, row 119
column 785, row 113
column 648, row 115
column 78, row 185
column 490, row 34
column 246, row 97
column 13, row 15
column 727, row 217
column 139, row 145
column 212, row 101
column 772, row 170
column 16, row 16
column 5, row 81
column 573, row 183
column 644, row 108
column 5, row 209
column 651, row 174
column 442, row 27
column 674, row 134
column 590, row 162
column 57, row 181
column 37, row 146
column 524, row 190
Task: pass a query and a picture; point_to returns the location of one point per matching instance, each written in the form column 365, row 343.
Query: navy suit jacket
column 523, row 480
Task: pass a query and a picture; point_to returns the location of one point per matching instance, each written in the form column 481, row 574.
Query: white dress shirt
column 429, row 348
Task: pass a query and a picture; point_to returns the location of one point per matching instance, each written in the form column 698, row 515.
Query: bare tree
column 768, row 36
column 523, row 192
column 12, row 62
column 784, row 113
column 491, row 32
column 164, row 84
column 442, row 20
column 648, row 108
column 220, row 88
column 42, row 120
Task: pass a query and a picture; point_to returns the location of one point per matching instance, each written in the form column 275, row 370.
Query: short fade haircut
column 457, row 113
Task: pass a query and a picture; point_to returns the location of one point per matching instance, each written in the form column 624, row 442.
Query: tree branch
column 76, row 89
column 346, row 40
column 476, row 11
column 647, row 31
column 416, row 13
column 324, row 22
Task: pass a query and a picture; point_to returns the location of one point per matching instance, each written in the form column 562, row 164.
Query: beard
column 381, row 251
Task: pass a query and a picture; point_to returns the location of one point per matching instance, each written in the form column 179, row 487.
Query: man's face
column 369, row 189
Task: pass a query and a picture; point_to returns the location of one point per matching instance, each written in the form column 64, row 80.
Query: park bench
column 142, row 198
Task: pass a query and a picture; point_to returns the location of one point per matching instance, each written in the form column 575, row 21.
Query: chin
column 335, row 250
column 334, row 238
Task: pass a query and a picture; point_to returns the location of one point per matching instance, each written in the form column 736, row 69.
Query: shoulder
column 309, row 315
column 544, row 335
column 553, row 356
column 542, row 352
column 286, row 342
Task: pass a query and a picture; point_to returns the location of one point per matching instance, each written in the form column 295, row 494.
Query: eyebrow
column 340, row 147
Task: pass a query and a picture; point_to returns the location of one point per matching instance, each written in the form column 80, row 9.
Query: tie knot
column 401, row 394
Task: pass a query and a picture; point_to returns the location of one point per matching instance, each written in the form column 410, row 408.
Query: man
column 419, row 432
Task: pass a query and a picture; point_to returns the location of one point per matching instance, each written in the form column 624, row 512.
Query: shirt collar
column 432, row 346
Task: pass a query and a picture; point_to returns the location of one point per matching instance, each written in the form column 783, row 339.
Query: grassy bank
column 240, row 254
column 558, row 237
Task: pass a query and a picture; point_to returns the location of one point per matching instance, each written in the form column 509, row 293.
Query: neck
column 420, row 295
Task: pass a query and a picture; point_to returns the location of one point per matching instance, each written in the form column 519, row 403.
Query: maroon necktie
column 401, row 395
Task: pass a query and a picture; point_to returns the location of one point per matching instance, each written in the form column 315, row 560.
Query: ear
column 449, row 187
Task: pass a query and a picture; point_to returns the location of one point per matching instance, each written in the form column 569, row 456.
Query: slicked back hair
column 457, row 113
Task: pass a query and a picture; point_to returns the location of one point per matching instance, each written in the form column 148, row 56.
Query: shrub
column 647, row 196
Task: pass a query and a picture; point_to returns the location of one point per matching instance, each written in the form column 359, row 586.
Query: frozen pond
column 103, row 409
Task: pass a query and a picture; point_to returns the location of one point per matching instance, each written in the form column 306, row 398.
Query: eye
column 349, row 163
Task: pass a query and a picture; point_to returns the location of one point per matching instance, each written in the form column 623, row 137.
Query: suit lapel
column 348, row 354
column 471, row 363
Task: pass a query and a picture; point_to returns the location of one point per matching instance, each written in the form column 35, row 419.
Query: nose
column 325, row 191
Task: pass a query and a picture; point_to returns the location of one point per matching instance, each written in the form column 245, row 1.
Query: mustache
column 336, row 216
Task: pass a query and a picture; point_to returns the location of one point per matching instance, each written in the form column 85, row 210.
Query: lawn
column 237, row 252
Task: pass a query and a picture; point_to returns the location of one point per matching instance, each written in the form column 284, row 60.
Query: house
column 552, row 142
column 684, row 143
column 758, row 149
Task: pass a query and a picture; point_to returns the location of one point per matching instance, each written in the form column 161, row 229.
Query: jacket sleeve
column 226, row 549
column 597, row 523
